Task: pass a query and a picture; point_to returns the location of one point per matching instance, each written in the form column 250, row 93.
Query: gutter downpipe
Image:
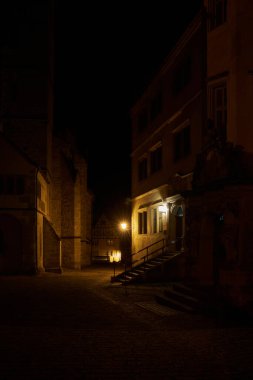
column 36, row 222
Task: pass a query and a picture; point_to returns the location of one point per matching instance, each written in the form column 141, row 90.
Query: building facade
column 192, row 151
column 106, row 242
column 45, row 206
column 167, row 127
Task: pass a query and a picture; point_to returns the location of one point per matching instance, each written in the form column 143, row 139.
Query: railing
column 153, row 250
column 149, row 251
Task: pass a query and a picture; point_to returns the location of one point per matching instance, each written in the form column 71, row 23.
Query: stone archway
column 10, row 245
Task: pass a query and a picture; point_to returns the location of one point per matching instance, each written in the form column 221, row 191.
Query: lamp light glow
column 162, row 208
column 115, row 256
column 123, row 226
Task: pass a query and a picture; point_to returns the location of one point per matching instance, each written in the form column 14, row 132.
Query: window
column 142, row 222
column 20, row 185
column 217, row 13
column 1, row 185
column 158, row 220
column 156, row 159
column 154, row 222
column 1, row 243
column 182, row 143
column 218, row 109
column 12, row 185
column 161, row 217
column 143, row 169
column 182, row 75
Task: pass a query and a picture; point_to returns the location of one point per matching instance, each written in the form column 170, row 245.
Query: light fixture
column 123, row 226
column 162, row 209
column 115, row 256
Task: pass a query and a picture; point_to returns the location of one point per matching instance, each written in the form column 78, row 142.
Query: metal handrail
column 148, row 254
column 165, row 245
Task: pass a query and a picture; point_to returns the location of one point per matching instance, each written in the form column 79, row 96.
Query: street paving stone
column 77, row 325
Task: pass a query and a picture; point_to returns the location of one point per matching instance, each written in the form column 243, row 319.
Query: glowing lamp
column 162, row 209
column 123, row 226
column 115, row 256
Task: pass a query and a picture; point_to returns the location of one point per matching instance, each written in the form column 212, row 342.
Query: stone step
column 172, row 303
column 139, row 271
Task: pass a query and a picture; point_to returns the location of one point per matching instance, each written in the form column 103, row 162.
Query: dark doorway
column 10, row 245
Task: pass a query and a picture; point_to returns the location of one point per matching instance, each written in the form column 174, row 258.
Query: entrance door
column 179, row 232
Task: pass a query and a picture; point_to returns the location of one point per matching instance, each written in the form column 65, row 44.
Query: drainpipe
column 36, row 222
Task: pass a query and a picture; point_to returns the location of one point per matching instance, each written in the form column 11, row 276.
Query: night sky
column 106, row 54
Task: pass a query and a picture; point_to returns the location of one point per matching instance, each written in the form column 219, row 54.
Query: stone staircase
column 194, row 299
column 188, row 298
column 147, row 269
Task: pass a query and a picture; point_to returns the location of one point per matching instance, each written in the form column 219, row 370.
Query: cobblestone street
column 77, row 325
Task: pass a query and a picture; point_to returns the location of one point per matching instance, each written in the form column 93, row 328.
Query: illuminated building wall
column 167, row 125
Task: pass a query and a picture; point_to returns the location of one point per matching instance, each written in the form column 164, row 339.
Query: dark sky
column 106, row 54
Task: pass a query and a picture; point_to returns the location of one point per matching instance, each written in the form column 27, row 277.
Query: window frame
column 142, row 222
column 215, row 109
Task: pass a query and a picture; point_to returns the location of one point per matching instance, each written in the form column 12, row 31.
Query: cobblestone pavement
column 77, row 325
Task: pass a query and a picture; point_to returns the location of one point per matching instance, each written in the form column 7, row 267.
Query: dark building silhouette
column 45, row 206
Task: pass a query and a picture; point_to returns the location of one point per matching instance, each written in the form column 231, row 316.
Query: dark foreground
column 79, row 326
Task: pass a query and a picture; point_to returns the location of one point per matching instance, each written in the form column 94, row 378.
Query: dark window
column 1, row 243
column 218, row 109
column 156, row 159
column 143, row 169
column 182, row 75
column 10, row 185
column 154, row 220
column 182, row 143
column 1, row 185
column 217, row 13
column 20, row 185
column 156, row 106
column 142, row 222
column 143, row 121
